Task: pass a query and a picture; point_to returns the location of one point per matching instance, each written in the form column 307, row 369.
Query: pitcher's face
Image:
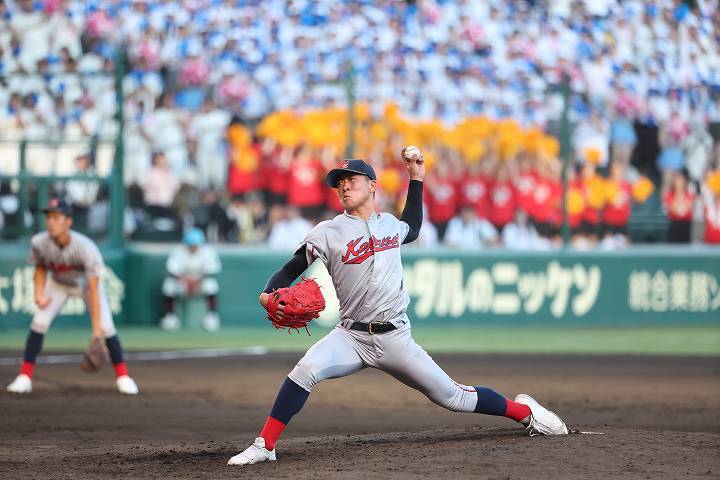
column 355, row 190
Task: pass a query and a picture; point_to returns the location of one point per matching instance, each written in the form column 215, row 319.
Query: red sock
column 271, row 432
column 516, row 411
column 27, row 369
column 120, row 369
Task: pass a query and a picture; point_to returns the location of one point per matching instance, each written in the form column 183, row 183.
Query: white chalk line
column 148, row 356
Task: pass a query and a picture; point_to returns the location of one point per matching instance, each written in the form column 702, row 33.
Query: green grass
column 695, row 340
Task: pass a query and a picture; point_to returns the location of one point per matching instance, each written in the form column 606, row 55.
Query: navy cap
column 58, row 205
column 354, row 166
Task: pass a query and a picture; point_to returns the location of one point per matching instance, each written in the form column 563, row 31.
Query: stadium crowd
column 234, row 109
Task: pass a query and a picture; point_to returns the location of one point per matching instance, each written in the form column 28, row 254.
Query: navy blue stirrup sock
column 115, row 349
column 33, row 345
column 490, row 402
column 290, row 399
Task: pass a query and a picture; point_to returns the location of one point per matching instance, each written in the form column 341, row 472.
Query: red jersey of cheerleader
column 712, row 218
column 618, row 210
column 244, row 170
column 679, row 205
column 503, row 201
column 442, row 199
column 274, row 170
column 525, row 181
column 306, row 188
column 474, row 191
column 590, row 215
column 545, row 204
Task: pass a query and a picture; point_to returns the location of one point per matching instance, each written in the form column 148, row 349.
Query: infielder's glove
column 302, row 303
column 95, row 356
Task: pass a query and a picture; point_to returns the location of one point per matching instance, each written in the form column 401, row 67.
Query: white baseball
column 411, row 152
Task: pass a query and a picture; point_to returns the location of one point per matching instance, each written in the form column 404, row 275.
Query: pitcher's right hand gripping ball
column 95, row 356
column 411, row 153
column 301, row 303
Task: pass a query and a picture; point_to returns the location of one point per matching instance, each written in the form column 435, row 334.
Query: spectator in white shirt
column 82, row 193
column 519, row 234
column 168, row 133
column 288, row 232
column 207, row 129
column 161, row 185
column 467, row 230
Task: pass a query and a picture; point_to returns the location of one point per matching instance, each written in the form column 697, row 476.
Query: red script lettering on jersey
column 359, row 252
column 61, row 267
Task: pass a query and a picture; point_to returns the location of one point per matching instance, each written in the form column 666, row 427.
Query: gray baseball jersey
column 68, row 268
column 363, row 259
column 69, row 265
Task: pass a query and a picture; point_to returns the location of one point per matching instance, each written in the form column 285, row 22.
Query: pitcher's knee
column 305, row 374
column 459, row 400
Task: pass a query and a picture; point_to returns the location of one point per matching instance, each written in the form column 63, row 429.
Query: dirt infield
column 660, row 416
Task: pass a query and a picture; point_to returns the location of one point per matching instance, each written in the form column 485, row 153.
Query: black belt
column 372, row 327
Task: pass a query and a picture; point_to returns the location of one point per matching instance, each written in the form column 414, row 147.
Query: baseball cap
column 349, row 166
column 58, row 205
column 194, row 237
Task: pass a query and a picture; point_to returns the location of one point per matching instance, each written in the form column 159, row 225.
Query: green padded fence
column 640, row 286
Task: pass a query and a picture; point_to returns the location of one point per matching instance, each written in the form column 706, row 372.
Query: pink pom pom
column 195, row 72
column 99, row 24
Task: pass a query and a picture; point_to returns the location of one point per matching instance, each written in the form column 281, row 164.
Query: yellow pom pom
column 596, row 195
column 642, row 189
column 533, row 141
column 612, row 191
column 238, row 135
column 378, row 131
column 245, row 159
column 550, row 147
column 575, row 201
column 289, row 138
column 713, row 182
column 592, row 155
column 391, row 110
column 473, row 152
column 430, row 158
column 362, row 111
column 508, row 145
column 389, row 180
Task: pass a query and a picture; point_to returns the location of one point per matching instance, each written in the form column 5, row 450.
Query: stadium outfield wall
column 639, row 286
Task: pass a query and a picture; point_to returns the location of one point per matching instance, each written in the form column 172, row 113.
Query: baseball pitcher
column 361, row 250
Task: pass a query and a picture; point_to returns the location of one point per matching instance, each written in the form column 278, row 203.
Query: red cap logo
column 345, row 165
column 53, row 202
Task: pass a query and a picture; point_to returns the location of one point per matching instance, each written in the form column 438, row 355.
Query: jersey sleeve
column 403, row 226
column 316, row 244
column 93, row 261
column 404, row 230
column 35, row 256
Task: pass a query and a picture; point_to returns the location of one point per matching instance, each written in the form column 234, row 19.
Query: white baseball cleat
column 542, row 420
column 170, row 322
column 127, row 385
column 211, row 322
column 255, row 453
column 21, row 384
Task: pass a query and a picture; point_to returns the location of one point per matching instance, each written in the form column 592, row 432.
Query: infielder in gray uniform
column 68, row 263
column 361, row 250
